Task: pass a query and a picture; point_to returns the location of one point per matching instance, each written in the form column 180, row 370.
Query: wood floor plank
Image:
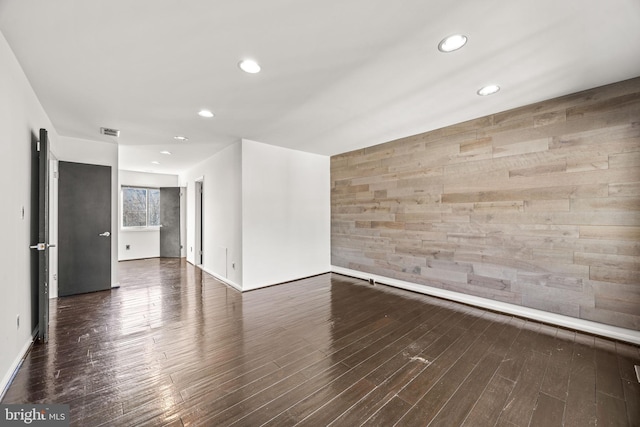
column 487, row 409
column 435, row 367
column 515, row 359
column 608, row 379
column 505, row 339
column 277, row 405
column 324, row 415
column 611, row 411
column 549, row 412
column 632, row 399
column 370, row 358
column 581, row 398
column 391, row 377
column 449, row 376
column 460, row 404
column 174, row 346
column 410, row 353
column 556, row 378
column 366, row 407
column 236, row 404
column 428, row 406
column 521, row 402
column 390, row 413
column 628, row 358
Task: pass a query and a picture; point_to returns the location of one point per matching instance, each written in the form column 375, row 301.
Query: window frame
column 146, row 227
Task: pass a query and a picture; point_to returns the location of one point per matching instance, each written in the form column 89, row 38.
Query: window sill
column 138, row 229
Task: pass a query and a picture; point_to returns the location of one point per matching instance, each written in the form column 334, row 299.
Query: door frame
column 199, row 224
column 53, row 226
column 40, row 149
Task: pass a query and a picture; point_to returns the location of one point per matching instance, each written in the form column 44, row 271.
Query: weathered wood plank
column 631, row 189
column 610, row 232
column 609, row 204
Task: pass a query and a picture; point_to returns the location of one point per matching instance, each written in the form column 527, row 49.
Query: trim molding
column 286, row 281
column 13, row 369
column 220, row 278
column 609, row 331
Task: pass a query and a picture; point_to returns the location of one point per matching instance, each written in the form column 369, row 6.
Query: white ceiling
column 337, row 74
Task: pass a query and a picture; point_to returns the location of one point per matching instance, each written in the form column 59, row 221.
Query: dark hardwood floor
column 173, row 346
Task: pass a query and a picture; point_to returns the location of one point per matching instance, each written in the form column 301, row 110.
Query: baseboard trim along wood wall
column 609, row 331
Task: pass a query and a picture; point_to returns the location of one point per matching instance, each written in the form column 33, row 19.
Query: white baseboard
column 220, row 278
column 13, row 369
column 614, row 332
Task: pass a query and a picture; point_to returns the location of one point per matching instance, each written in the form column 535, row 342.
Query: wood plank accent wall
column 537, row 206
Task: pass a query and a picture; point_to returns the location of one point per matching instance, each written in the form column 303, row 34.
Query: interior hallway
column 173, row 346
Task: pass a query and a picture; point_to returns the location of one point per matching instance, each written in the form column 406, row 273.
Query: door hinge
column 55, row 174
column 37, row 145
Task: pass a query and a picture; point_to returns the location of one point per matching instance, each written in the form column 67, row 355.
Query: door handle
column 105, row 234
column 42, row 246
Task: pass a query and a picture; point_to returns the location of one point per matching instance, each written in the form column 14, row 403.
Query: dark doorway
column 170, row 222
column 40, row 233
column 84, row 228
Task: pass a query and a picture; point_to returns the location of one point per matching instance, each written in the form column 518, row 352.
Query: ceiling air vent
column 110, row 132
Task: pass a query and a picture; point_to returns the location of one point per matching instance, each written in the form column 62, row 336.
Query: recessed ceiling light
column 155, row 163
column 181, row 138
column 205, row 113
column 165, row 152
column 488, row 90
column 451, row 43
column 249, row 66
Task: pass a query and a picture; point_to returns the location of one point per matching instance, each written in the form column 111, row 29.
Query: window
column 140, row 207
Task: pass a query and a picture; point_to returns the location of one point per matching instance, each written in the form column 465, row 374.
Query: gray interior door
column 84, row 228
column 170, row 222
column 40, row 230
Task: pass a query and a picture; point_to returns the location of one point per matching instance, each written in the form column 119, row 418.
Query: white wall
column 21, row 116
column 144, row 243
column 286, row 214
column 222, row 224
column 267, row 214
column 96, row 153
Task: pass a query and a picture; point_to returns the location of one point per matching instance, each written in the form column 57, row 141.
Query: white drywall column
column 285, row 214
